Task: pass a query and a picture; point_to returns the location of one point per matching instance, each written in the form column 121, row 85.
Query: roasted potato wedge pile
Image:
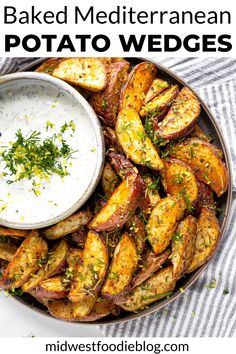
column 153, row 216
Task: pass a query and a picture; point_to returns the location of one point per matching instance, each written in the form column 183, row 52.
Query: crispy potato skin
column 204, row 162
column 111, row 139
column 205, row 197
column 160, row 285
column 159, row 105
column 106, row 103
column 55, row 264
column 4, row 231
column 7, row 250
column 121, row 164
column 69, row 225
column 134, row 140
column 163, row 222
column 136, row 228
column 48, row 66
column 208, row 236
column 150, row 264
column 124, row 264
column 177, row 177
column 109, row 180
column 181, row 117
column 183, row 246
column 90, row 274
column 120, row 206
column 25, row 261
column 139, row 81
column 52, row 288
column 158, row 85
column 89, row 73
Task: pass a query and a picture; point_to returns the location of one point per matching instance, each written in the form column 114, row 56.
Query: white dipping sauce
column 28, row 105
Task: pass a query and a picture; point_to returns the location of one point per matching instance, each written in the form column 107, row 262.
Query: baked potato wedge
column 139, row 81
column 102, row 308
column 120, row 206
column 89, row 73
column 181, row 117
column 183, row 246
column 136, row 228
column 198, row 133
column 74, row 258
column 135, row 141
column 26, row 261
column 178, row 179
column 106, row 102
column 90, row 274
column 151, row 189
column 205, row 163
column 4, row 231
column 158, row 85
column 109, row 180
column 121, row 164
column 69, row 225
column 52, row 288
column 55, row 264
column 163, row 222
column 124, row 264
column 48, row 66
column 150, row 264
column 160, row 285
column 208, row 236
column 7, row 250
column 78, row 237
column 159, row 105
column 62, row 309
column 84, row 307
column 205, row 198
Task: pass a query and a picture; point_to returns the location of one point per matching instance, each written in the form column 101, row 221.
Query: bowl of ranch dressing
column 51, row 150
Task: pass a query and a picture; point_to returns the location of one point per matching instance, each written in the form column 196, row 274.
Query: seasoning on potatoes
column 181, row 117
column 137, row 86
column 26, row 261
column 163, row 222
column 158, row 85
column 205, row 163
column 109, row 180
column 160, row 285
column 135, row 141
column 89, row 73
column 208, row 236
column 120, row 206
column 7, row 250
column 91, row 272
column 124, row 264
column 183, row 246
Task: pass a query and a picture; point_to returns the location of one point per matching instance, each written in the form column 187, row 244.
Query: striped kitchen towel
column 208, row 308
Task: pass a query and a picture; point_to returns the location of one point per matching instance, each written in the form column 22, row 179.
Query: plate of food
column 154, row 218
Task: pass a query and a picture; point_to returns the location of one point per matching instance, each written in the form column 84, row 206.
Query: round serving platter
column 208, row 123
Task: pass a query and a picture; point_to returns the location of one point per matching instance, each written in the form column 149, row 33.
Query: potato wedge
column 90, row 274
column 159, row 105
column 52, row 288
column 204, row 162
column 136, row 228
column 78, row 237
column 69, row 225
column 179, row 180
column 158, row 85
column 121, row 164
column 48, row 66
column 181, row 117
column 4, row 231
column 109, row 180
column 62, row 309
column 106, row 103
column 55, row 264
column 198, row 133
column 205, row 197
column 74, row 258
column 139, row 81
column 120, row 206
column 25, row 262
column 163, row 222
column 134, row 140
column 102, row 308
column 151, row 189
column 88, row 73
column 183, row 246
column 150, row 264
column 208, row 236
column 157, row 287
column 83, row 308
column 7, row 250
column 124, row 264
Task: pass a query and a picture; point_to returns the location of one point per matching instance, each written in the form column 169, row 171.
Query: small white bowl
column 38, row 102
